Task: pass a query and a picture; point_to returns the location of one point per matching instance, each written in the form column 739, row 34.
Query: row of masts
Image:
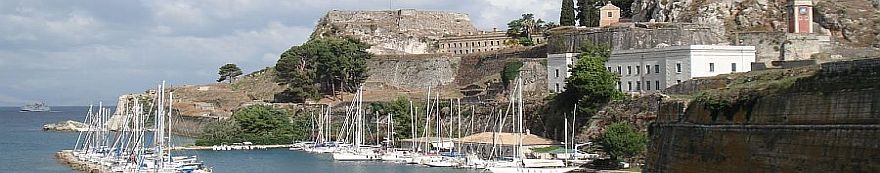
column 426, row 145
column 135, row 146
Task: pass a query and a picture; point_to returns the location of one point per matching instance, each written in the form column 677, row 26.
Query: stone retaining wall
column 826, row 123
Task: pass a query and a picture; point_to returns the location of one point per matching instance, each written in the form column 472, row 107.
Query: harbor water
column 24, row 147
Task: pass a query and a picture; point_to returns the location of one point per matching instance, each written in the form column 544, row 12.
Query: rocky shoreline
column 66, row 126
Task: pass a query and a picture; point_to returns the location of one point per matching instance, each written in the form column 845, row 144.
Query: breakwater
column 66, row 157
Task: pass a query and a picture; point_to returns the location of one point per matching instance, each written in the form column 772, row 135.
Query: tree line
column 586, row 12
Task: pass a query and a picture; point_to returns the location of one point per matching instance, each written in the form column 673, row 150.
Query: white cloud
column 75, row 53
column 506, row 10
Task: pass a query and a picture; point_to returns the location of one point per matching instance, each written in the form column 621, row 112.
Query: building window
column 657, row 85
column 629, row 84
column 733, row 67
column 557, row 73
column 619, row 88
column 711, row 67
column 677, row 81
column 609, row 69
column 629, row 70
column 638, row 85
column 610, row 14
column 678, row 67
column 638, row 69
column 557, row 87
column 648, row 85
column 647, row 69
column 619, row 71
column 656, row 68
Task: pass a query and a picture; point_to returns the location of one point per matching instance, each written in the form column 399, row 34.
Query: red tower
column 800, row 16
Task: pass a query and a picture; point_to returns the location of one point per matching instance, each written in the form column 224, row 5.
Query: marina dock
column 252, row 147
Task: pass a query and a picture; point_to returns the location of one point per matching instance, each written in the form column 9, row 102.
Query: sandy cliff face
column 851, row 22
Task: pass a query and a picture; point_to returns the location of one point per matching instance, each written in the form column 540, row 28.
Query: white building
column 651, row 70
column 558, row 66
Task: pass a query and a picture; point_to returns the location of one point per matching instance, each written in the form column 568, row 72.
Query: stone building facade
column 609, row 15
column 480, row 42
column 800, row 16
column 558, row 69
column 652, row 70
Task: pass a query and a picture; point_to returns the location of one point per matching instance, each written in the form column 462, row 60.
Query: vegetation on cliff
column 510, row 72
column 621, row 140
column 259, row 124
column 229, row 72
column 589, row 87
column 744, row 89
column 322, row 66
column 521, row 30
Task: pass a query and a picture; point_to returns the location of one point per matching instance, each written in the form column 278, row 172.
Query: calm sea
column 24, row 147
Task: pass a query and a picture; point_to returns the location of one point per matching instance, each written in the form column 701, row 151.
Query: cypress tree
column 566, row 17
column 587, row 14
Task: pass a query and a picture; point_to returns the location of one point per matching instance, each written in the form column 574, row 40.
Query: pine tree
column 228, row 72
column 567, row 17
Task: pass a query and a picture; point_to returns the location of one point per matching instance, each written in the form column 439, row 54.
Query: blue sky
column 80, row 52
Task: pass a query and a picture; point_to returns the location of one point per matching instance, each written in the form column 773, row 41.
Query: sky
column 74, row 53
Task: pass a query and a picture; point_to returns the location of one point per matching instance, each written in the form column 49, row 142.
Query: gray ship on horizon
column 36, row 107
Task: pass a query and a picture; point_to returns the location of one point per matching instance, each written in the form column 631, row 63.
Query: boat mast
column 519, row 115
column 412, row 126
column 428, row 106
column 458, row 111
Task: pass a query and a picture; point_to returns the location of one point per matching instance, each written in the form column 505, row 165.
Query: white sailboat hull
column 345, row 156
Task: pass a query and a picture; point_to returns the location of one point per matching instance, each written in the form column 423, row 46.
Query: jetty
column 213, row 147
column 66, row 157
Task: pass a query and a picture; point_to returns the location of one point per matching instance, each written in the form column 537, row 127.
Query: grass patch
column 746, row 88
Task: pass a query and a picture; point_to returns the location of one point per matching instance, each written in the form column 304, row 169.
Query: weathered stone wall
column 637, row 36
column 190, row 125
column 480, row 74
column 775, row 46
column 403, row 31
column 826, row 123
column 413, row 72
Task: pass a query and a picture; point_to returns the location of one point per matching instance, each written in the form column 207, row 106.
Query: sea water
column 24, row 147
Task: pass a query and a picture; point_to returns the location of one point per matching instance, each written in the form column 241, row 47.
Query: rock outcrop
column 851, row 22
column 68, row 125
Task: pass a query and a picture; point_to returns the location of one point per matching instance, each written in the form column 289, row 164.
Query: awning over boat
column 506, row 139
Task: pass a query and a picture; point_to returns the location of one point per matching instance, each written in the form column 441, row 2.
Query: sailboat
column 128, row 150
column 358, row 151
column 520, row 163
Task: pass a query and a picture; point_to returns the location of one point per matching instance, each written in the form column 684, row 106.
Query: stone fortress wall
column 413, row 72
column 629, row 36
column 781, row 46
column 825, row 123
column 402, row 31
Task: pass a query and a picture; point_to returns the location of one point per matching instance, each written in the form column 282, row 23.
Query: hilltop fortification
column 405, row 31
